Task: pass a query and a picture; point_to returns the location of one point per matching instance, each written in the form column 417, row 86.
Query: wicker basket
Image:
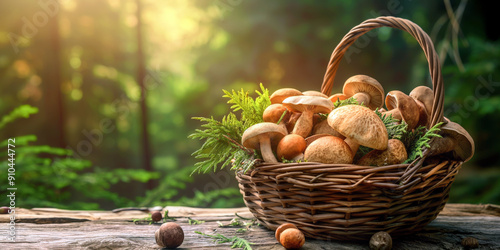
column 351, row 202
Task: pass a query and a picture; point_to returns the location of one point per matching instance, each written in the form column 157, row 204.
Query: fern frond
column 416, row 141
column 221, row 146
column 395, row 129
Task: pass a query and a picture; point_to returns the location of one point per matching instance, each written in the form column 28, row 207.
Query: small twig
column 250, row 152
column 243, row 218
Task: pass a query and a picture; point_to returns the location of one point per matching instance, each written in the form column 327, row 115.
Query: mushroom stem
column 304, row 124
column 352, row 145
column 299, row 157
column 265, row 149
column 396, row 114
column 362, row 98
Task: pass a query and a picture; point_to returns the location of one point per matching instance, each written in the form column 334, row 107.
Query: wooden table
column 45, row 228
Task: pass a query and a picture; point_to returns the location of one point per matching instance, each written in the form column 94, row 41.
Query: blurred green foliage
column 48, row 177
column 194, row 49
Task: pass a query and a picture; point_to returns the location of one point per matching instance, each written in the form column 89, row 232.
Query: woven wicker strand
column 351, row 202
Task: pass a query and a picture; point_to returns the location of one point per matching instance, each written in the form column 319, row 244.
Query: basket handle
column 394, row 22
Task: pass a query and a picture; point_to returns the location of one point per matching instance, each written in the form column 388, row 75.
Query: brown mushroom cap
column 324, row 128
column 337, row 97
column 402, row 107
column 169, row 235
column 263, row 136
column 314, row 93
column 308, row 106
column 316, row 104
column 366, row 90
column 454, row 139
column 282, row 228
column 394, row 154
column 359, row 124
column 291, row 147
column 281, row 94
column 274, row 112
column 329, row 150
column 312, row 138
column 423, row 118
column 292, row 238
column 425, row 95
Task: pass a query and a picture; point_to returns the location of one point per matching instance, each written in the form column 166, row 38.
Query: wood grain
column 67, row 229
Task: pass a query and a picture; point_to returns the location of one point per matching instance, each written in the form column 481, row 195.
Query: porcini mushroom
column 329, row 150
column 424, row 97
column 402, row 107
column 308, row 106
column 455, row 139
column 262, row 136
column 291, row 147
column 360, row 126
column 314, row 93
column 324, row 128
column 395, row 153
column 282, row 228
column 274, row 112
column 294, row 117
column 281, row 94
column 337, row 97
column 365, row 90
column 292, row 238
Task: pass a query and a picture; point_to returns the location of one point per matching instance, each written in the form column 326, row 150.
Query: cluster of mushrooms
column 294, row 130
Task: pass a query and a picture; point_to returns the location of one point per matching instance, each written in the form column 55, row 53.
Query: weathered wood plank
column 103, row 229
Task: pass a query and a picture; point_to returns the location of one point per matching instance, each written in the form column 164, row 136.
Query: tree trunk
column 141, row 75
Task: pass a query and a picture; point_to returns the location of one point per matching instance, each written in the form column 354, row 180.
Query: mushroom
column 402, row 107
column 169, row 235
column 324, row 128
column 455, row 139
column 312, row 138
column 274, row 112
column 308, row 106
column 282, row 228
column 365, row 90
column 424, row 97
column 292, row 238
column 360, row 126
column 281, row 94
column 381, row 241
column 314, row 93
column 291, row 147
column 262, row 136
column 337, row 97
column 329, row 150
column 395, row 153
column 294, row 116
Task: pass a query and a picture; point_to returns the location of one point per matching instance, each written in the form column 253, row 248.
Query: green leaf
column 23, row 111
